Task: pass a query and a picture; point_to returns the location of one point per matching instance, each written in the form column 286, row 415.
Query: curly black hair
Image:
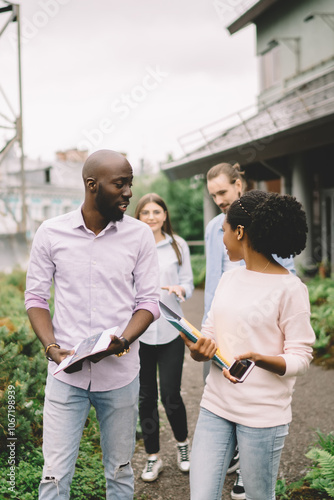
column 274, row 223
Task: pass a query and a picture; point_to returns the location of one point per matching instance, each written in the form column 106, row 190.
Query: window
column 48, row 175
column 270, row 68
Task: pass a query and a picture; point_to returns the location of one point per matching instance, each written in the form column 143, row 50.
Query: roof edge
column 250, row 15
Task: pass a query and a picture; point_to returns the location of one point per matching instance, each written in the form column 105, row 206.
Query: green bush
column 321, row 476
column 198, row 267
column 88, row 481
column 12, row 297
column 321, row 293
column 23, row 372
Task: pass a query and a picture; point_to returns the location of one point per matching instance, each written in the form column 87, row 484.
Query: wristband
column 49, row 347
column 126, row 347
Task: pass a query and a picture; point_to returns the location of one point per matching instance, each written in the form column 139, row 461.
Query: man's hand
column 202, row 350
column 115, row 347
column 58, row 355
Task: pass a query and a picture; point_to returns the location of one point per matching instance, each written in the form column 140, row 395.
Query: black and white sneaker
column 183, row 456
column 238, row 490
column 234, row 464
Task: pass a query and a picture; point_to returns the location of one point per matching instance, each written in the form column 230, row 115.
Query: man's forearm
column 41, row 323
column 137, row 325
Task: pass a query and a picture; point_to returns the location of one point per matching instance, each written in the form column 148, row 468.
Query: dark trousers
column 168, row 358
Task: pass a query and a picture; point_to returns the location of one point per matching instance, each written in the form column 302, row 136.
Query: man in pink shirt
column 105, row 272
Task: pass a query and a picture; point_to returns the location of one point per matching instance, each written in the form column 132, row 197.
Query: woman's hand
column 229, row 376
column 273, row 364
column 249, row 355
column 177, row 289
column 202, row 350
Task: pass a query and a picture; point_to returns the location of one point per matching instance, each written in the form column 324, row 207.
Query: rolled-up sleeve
column 40, row 272
column 146, row 276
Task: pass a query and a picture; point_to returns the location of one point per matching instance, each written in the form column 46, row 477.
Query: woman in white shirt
column 161, row 348
column 259, row 312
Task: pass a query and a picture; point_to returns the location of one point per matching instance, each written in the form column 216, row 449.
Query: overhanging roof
column 250, row 15
column 304, row 137
column 300, row 120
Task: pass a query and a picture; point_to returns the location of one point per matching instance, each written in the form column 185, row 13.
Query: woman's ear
column 240, row 232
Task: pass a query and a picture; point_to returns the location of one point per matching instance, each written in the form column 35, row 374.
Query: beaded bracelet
column 49, row 347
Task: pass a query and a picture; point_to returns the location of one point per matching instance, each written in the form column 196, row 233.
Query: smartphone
column 241, row 369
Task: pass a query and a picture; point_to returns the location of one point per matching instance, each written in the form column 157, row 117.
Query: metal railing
column 253, row 122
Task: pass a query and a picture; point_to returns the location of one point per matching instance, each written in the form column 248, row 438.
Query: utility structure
column 12, row 125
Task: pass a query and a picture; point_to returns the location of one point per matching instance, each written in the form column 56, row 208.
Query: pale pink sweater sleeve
column 298, row 332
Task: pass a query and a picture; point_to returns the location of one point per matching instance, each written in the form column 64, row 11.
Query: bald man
column 105, row 271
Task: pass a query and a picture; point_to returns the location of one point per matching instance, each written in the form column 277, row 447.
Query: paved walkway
column 313, row 408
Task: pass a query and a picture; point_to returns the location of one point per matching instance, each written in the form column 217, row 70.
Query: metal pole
column 20, row 127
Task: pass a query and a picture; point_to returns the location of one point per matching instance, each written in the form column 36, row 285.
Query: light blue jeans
column 212, row 450
column 65, row 412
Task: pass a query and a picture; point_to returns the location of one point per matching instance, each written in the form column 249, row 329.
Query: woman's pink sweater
column 267, row 314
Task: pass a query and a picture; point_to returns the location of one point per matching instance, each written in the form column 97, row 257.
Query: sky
column 127, row 75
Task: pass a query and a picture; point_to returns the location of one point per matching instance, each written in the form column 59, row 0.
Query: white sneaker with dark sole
column 238, row 490
column 152, row 469
column 183, row 458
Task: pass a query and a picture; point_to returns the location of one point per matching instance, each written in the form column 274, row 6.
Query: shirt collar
column 78, row 221
column 165, row 241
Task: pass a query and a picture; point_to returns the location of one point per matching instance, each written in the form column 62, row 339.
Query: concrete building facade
column 286, row 142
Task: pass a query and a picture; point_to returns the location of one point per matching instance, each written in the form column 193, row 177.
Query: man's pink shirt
column 100, row 281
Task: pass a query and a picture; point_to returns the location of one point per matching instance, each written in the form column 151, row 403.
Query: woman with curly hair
column 259, row 312
column 161, row 348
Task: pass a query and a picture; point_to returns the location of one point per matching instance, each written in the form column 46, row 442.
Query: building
column 286, row 142
column 48, row 189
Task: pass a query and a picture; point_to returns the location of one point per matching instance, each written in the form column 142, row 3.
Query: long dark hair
column 167, row 225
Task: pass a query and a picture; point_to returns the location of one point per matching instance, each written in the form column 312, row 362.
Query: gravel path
column 313, row 408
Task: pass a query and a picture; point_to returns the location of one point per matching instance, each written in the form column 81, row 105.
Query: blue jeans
column 65, row 412
column 212, row 450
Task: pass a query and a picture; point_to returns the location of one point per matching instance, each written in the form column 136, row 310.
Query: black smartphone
column 241, row 369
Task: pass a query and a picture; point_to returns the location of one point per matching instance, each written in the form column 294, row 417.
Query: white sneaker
column 238, row 491
column 152, row 469
column 183, row 458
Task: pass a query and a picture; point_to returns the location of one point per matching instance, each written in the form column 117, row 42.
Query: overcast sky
column 128, row 75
